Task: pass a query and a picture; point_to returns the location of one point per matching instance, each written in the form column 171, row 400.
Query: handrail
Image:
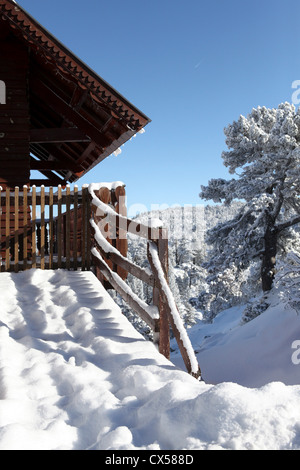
column 164, row 312
column 149, row 315
column 115, row 256
column 179, row 331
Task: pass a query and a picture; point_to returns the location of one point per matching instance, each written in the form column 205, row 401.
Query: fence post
column 164, row 326
column 121, row 230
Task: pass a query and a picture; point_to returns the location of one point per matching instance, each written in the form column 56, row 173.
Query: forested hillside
column 190, row 266
column 188, row 253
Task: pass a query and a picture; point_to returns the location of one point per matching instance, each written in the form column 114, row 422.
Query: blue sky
column 192, row 66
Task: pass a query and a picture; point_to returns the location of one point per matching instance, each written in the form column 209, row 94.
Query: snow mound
column 75, row 374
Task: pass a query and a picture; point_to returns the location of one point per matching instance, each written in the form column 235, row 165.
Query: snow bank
column 75, row 374
column 252, row 354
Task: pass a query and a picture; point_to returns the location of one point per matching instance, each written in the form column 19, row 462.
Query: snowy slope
column 74, row 374
column 252, row 354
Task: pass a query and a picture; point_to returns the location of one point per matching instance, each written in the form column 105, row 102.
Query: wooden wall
column 14, row 115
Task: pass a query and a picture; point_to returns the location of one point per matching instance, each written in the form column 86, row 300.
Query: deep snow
column 75, row 374
column 254, row 354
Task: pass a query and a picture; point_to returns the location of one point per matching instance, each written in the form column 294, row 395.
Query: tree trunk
column 269, row 258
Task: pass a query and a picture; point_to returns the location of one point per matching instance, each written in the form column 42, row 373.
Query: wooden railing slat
column 33, row 225
column 84, row 228
column 16, row 244
column 59, row 227
column 88, row 233
column 68, row 230
column 7, row 230
column 43, row 232
column 75, row 229
column 51, row 234
column 25, row 228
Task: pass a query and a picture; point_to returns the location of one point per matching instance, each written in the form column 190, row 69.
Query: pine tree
column 264, row 156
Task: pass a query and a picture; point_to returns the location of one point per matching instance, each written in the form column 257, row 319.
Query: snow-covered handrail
column 116, row 257
column 175, row 320
column 148, row 232
column 163, row 313
column 147, row 313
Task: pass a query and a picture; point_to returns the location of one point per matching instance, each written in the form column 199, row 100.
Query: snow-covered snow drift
column 75, row 374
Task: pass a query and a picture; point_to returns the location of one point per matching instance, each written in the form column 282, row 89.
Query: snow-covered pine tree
column 264, row 156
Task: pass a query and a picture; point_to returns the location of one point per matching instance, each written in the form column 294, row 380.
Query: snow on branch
column 290, row 223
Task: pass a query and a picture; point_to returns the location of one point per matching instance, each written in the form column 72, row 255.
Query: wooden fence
column 47, row 230
column 162, row 314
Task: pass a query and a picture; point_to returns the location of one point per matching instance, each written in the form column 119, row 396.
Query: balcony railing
column 44, row 229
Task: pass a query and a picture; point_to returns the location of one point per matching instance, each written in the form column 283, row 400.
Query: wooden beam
column 52, row 177
column 47, row 165
column 58, row 154
column 90, row 148
column 65, row 110
column 59, row 135
column 50, row 165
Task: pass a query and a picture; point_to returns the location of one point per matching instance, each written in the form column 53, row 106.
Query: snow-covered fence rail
column 109, row 226
column 44, row 229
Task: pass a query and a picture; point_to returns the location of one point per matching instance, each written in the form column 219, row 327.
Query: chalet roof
column 76, row 118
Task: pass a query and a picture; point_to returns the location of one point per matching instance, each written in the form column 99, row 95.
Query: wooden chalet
column 57, row 116
column 60, row 117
